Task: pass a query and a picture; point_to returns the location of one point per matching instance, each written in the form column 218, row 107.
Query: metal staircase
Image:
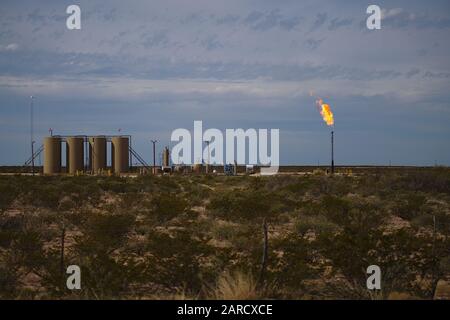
column 140, row 159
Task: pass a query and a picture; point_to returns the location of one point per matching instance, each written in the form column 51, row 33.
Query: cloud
column 313, row 43
column 412, row 72
column 134, row 65
column 389, row 13
column 211, row 42
column 158, row 38
column 9, row 47
column 265, row 21
column 228, row 19
column 400, row 18
column 319, row 21
column 337, row 23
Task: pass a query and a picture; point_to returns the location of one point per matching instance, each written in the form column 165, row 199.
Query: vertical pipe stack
column 52, row 155
column 332, row 152
column 166, row 157
column 119, row 154
column 75, row 154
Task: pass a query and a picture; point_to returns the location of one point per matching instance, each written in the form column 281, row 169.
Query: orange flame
column 326, row 113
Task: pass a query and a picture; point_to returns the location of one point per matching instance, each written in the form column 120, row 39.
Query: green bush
column 317, row 224
column 295, row 265
column 409, row 206
column 241, row 205
column 8, row 193
column 165, row 207
column 178, row 260
column 105, row 232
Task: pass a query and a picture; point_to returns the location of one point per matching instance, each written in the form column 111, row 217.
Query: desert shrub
column 355, row 214
column 104, row 232
column 166, row 206
column 77, row 218
column 178, row 260
column 317, row 224
column 409, row 206
column 10, row 226
column 27, row 250
column 401, row 255
column 80, row 189
column 9, row 282
column 435, row 180
column 146, row 183
column 241, row 205
column 131, row 200
column 257, row 183
column 224, row 232
column 298, row 186
column 24, row 255
column 66, row 204
column 309, row 208
column 46, row 195
column 106, row 272
column 243, row 237
column 291, row 261
column 108, row 277
column 113, row 184
column 8, row 193
column 336, row 209
column 440, row 221
column 341, row 186
column 195, row 193
column 168, row 184
column 280, row 182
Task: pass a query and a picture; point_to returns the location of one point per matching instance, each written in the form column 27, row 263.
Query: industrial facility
column 88, row 154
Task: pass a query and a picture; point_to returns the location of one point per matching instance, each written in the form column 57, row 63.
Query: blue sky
column 149, row 67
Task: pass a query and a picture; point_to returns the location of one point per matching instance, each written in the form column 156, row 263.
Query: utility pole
column 154, row 155
column 31, row 134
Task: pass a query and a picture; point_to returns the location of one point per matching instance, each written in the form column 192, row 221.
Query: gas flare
column 325, row 111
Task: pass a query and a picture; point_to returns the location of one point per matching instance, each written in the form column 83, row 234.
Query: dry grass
column 235, row 286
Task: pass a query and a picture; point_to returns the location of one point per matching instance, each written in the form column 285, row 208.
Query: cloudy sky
column 149, row 67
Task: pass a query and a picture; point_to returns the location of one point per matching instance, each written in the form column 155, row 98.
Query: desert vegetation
column 197, row 236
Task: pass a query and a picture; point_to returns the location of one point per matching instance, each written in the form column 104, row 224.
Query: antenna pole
column 31, row 134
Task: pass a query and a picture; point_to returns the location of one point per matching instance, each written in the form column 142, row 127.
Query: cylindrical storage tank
column 166, row 157
column 120, row 154
column 52, row 155
column 97, row 148
column 75, row 154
